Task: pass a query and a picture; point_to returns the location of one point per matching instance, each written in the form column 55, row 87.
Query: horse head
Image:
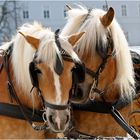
column 39, row 55
column 105, row 53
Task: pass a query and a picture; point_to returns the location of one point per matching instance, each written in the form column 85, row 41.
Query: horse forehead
column 63, row 79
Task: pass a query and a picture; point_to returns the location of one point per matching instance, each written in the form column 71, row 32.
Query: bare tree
column 8, row 19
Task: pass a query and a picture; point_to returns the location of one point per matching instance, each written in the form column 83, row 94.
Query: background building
column 52, row 14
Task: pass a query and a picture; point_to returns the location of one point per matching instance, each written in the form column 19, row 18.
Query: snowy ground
column 135, row 48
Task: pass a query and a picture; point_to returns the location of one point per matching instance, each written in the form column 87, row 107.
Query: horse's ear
column 32, row 40
column 73, row 39
column 108, row 17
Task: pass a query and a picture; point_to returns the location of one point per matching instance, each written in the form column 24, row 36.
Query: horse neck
column 106, row 81
column 4, row 93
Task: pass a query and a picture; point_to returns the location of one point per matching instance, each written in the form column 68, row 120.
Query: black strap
column 105, row 107
column 120, row 120
column 13, row 95
column 14, row 111
column 57, row 39
column 57, row 107
column 90, row 72
column 93, row 106
column 87, row 16
column 100, row 106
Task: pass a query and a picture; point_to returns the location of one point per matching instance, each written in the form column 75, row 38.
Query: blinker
column 78, row 73
column 102, row 50
column 58, row 66
column 34, row 74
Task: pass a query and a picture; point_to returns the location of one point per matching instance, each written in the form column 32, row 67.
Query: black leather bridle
column 95, row 75
column 103, row 106
column 33, row 70
column 79, row 67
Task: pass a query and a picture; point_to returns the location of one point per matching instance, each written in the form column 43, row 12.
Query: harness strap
column 100, row 106
column 120, row 120
column 13, row 94
column 93, row 106
column 105, row 107
column 8, row 109
column 90, row 72
column 88, row 14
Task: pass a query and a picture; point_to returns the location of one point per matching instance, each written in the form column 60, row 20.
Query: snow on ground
column 135, row 48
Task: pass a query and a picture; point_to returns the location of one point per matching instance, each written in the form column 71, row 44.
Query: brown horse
column 33, row 59
column 110, row 75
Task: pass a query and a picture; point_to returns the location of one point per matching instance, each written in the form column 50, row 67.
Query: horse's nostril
column 51, row 119
column 67, row 119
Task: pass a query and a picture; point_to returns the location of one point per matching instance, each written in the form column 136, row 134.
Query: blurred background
column 53, row 14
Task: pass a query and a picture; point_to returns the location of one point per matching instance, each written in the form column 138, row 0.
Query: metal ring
column 44, row 117
column 2, row 52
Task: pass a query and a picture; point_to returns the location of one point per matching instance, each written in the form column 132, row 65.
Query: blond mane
column 23, row 52
column 95, row 30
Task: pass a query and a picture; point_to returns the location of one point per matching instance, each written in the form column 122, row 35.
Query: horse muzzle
column 58, row 120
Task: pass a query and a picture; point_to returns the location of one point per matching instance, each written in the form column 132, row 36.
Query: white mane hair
column 23, row 52
column 96, row 32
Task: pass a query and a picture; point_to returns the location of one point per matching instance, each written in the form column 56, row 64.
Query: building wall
column 130, row 23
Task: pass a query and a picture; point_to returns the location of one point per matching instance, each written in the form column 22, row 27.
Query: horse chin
column 54, row 128
column 57, row 130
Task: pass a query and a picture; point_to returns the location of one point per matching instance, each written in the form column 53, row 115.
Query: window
column 65, row 12
column 25, row 14
column 25, row 11
column 46, row 14
column 105, row 7
column 124, row 11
